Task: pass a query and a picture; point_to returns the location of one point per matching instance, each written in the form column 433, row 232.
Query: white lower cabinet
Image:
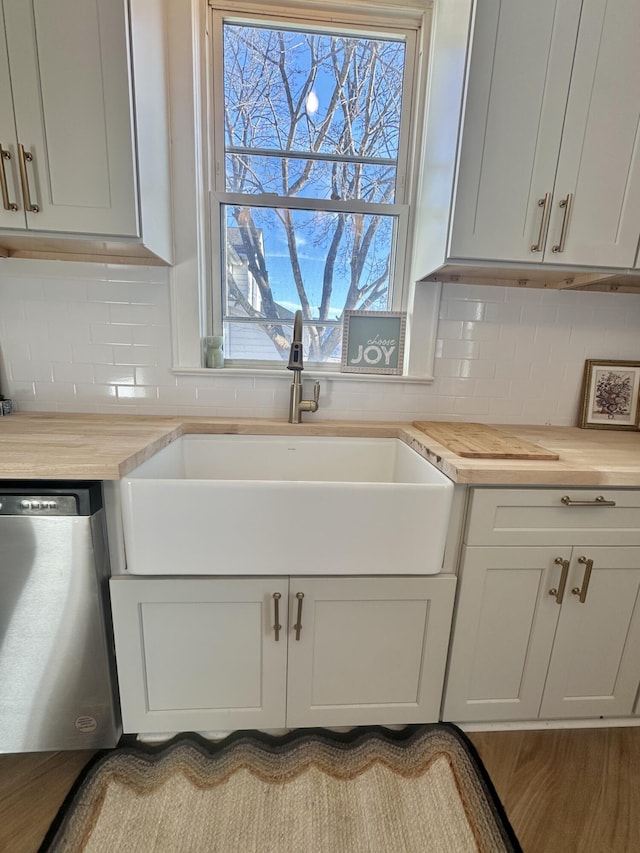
column 198, row 654
column 545, row 633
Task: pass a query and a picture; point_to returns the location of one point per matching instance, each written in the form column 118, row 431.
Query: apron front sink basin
column 285, row 505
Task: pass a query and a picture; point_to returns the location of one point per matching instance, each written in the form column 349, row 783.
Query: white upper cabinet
column 599, row 161
column 517, row 89
column 531, row 136
column 68, row 124
column 10, row 213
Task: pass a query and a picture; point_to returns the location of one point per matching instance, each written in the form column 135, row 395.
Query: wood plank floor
column 568, row 790
column 565, row 791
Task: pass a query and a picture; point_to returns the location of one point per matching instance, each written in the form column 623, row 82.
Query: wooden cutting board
column 478, row 441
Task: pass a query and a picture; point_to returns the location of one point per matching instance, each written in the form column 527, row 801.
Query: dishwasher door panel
column 56, row 672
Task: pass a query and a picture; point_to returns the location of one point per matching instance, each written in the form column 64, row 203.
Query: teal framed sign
column 373, row 342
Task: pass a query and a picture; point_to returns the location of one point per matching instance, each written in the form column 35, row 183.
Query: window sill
column 325, row 375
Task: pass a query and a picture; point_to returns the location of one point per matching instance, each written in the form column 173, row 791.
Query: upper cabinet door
column 517, row 87
column 11, row 211
column 598, row 163
column 72, row 100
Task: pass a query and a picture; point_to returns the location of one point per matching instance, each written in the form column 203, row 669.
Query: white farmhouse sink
column 265, row 505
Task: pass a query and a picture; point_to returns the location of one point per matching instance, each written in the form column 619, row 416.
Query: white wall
column 96, row 338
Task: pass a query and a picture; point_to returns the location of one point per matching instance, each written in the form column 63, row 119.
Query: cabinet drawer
column 542, row 517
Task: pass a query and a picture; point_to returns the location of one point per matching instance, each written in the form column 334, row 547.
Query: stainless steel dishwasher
column 57, row 674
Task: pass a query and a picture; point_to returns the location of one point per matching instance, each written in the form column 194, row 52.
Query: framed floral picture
column 610, row 394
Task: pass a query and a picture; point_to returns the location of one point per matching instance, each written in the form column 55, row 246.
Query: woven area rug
column 369, row 790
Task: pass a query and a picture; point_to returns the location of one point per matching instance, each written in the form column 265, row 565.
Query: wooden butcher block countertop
column 107, row 447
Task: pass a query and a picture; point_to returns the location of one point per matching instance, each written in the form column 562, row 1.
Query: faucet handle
column 316, row 391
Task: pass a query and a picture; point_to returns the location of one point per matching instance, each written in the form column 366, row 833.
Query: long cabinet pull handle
column 298, row 625
column 566, row 204
column 599, row 501
column 25, row 157
column 276, row 608
column 559, row 592
column 8, row 205
column 582, row 591
column 545, row 204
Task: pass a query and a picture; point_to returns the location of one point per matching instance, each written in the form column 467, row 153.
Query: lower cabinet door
column 367, row 650
column 505, row 623
column 595, row 664
column 200, row 654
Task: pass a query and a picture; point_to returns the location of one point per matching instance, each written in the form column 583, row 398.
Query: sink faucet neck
column 296, row 404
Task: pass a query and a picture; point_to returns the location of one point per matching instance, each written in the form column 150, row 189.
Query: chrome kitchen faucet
column 296, row 404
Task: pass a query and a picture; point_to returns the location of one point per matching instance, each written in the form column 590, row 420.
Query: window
column 309, row 203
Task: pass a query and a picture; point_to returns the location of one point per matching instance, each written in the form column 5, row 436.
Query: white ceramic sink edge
column 282, row 505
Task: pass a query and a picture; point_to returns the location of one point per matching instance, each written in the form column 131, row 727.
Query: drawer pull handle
column 6, row 203
column 599, row 501
column 298, row 625
column 276, row 607
column 582, row 592
column 559, row 592
column 566, row 205
column 545, row 204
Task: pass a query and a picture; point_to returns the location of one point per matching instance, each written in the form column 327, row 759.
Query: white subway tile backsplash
column 66, row 407
column 451, row 330
column 92, row 353
column 496, row 350
column 180, row 395
column 492, row 388
column 139, row 315
column 23, row 370
column 513, row 369
column 94, row 392
column 23, row 392
column 110, row 374
column 460, row 349
column 136, row 392
column 456, row 309
column 136, row 276
column 46, row 313
column 538, row 315
column 138, row 356
column 110, row 333
column 476, row 369
column 69, row 372
column 517, row 334
column 474, row 331
column 502, row 409
column 153, row 336
column 96, row 338
column 80, row 313
column 55, row 391
column 546, row 372
column 154, row 376
column 109, row 293
column 523, row 295
column 455, row 387
column 471, row 406
column 503, row 312
column 216, row 396
column 474, row 292
column 54, row 350
column 447, row 366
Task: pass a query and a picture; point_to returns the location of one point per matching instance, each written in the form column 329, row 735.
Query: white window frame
column 197, row 256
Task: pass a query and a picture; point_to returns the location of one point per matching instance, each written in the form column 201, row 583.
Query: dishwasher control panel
column 38, row 505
